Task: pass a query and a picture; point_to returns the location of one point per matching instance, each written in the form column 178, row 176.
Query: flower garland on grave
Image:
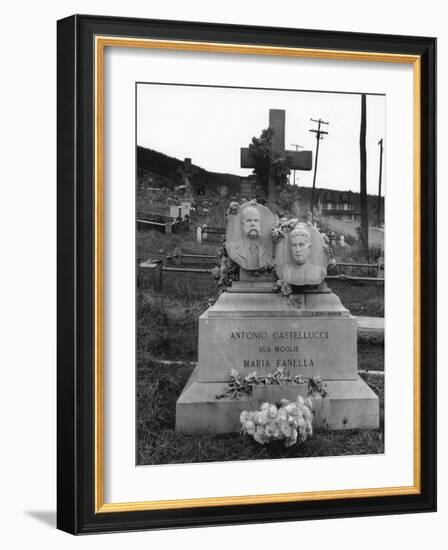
column 238, row 386
column 290, row 422
column 227, row 271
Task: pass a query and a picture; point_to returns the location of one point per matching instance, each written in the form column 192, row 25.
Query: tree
column 271, row 168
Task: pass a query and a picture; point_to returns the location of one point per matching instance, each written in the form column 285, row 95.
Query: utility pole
column 294, row 171
column 363, row 178
column 380, row 143
column 319, row 135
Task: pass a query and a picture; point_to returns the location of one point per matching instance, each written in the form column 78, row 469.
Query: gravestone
column 187, row 171
column 252, row 328
column 180, row 211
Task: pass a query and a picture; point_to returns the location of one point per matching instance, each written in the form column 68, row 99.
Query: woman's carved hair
column 301, row 231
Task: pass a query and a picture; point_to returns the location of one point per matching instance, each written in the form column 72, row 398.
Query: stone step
column 371, row 324
column 349, row 404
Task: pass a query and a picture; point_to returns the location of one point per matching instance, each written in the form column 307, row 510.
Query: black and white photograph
column 260, row 269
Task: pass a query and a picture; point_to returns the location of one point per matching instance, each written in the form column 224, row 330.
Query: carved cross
column 296, row 160
column 187, row 172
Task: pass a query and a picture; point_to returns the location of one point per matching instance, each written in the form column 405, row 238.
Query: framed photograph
column 246, row 274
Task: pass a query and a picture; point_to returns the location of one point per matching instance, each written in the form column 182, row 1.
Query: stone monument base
column 349, row 404
column 251, row 329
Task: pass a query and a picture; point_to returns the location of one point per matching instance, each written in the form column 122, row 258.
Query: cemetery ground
column 167, row 338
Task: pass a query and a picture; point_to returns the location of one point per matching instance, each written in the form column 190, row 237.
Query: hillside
column 167, row 167
column 163, row 165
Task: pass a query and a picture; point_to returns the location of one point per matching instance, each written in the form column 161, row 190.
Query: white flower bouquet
column 290, row 422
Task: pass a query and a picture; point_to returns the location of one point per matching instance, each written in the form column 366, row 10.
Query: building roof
column 337, row 197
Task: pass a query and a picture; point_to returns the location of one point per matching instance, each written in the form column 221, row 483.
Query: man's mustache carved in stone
column 251, row 223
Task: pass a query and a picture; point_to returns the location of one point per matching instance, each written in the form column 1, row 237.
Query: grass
column 370, row 354
column 158, row 388
column 361, row 298
column 151, row 243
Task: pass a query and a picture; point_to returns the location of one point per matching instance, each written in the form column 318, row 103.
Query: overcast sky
column 210, row 125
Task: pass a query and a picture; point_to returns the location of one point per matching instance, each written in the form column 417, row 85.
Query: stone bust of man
column 299, row 270
column 248, row 239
